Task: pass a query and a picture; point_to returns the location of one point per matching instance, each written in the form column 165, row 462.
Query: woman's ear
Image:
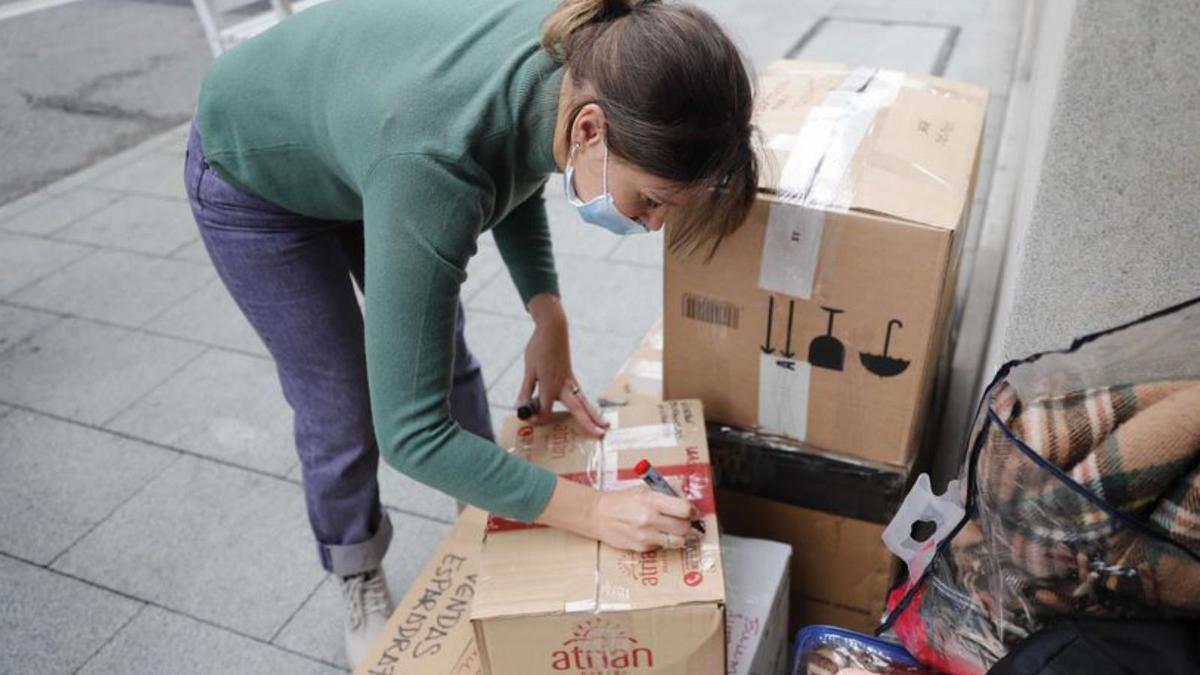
column 590, row 125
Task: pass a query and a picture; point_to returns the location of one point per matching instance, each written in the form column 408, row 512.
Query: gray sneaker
column 368, row 606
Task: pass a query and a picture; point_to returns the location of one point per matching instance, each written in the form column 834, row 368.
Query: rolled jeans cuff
column 361, row 557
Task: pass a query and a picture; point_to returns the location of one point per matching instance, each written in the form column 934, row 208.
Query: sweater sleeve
column 523, row 238
column 421, row 218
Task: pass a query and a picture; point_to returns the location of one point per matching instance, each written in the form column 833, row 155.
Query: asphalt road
column 83, row 81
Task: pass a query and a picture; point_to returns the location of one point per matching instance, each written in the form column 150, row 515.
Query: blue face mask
column 602, row 210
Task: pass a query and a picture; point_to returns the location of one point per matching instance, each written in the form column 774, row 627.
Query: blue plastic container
column 864, row 650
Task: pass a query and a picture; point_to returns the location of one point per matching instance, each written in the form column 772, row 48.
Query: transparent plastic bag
column 1080, row 497
column 826, row 650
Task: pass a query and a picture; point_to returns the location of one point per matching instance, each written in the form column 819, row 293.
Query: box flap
column 528, row 569
column 429, row 632
column 868, row 139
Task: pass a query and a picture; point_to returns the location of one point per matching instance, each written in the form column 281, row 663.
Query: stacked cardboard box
column 814, row 334
column 822, row 318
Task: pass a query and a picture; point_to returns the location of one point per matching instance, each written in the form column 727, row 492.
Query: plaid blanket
column 1037, row 548
column 1137, row 448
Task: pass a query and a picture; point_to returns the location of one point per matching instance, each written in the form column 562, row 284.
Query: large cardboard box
column 430, row 631
column 430, row 635
column 840, row 569
column 549, row 601
column 821, row 318
column 756, row 605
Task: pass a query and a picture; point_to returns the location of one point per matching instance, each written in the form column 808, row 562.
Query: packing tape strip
column 642, row 436
column 816, row 177
column 791, row 250
column 783, row 395
column 821, row 153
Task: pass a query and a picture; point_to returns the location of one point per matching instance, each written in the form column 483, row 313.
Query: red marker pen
column 650, row 476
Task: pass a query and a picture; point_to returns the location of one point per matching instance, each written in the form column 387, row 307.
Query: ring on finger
column 574, row 388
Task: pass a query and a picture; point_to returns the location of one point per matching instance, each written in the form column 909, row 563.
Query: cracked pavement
column 117, row 72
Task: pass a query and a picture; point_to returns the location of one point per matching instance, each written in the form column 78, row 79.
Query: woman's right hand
column 639, row 519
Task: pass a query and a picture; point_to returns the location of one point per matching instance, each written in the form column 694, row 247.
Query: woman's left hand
column 548, row 367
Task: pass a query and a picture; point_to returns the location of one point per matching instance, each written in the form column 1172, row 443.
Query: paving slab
column 398, row 491
column 223, row 405
column 17, row 206
column 150, row 173
column 86, row 371
column 316, row 630
column 595, row 355
column 497, row 341
column 146, row 224
column 57, row 211
column 51, row 623
column 24, row 260
column 913, row 47
column 116, row 287
column 596, row 294
column 985, row 54
column 58, row 480
column 194, row 252
column 641, row 250
column 158, row 641
column 18, row 323
column 765, row 29
column 209, row 315
column 483, row 268
column 218, row 543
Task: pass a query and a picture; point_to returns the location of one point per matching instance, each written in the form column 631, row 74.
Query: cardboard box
column 549, row 601
column 806, row 612
column 429, row 634
column 639, row 381
column 821, row 318
column 830, row 508
column 840, row 570
column 756, row 605
column 430, row 631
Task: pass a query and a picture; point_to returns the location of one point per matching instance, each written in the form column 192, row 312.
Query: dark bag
column 1107, row 648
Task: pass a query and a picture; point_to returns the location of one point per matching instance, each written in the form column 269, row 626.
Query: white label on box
column 791, row 249
column 641, row 437
column 783, row 395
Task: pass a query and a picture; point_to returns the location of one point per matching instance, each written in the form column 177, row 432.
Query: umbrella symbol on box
column 882, row 364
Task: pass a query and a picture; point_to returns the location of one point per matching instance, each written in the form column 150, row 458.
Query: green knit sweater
column 432, row 122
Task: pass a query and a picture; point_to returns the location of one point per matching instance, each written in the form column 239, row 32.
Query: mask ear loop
column 606, row 167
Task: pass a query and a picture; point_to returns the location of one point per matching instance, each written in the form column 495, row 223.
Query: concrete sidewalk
column 154, row 520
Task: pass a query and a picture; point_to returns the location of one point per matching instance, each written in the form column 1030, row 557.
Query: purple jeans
column 293, row 277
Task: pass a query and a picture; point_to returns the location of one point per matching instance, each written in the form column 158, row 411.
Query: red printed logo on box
column 598, row 646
